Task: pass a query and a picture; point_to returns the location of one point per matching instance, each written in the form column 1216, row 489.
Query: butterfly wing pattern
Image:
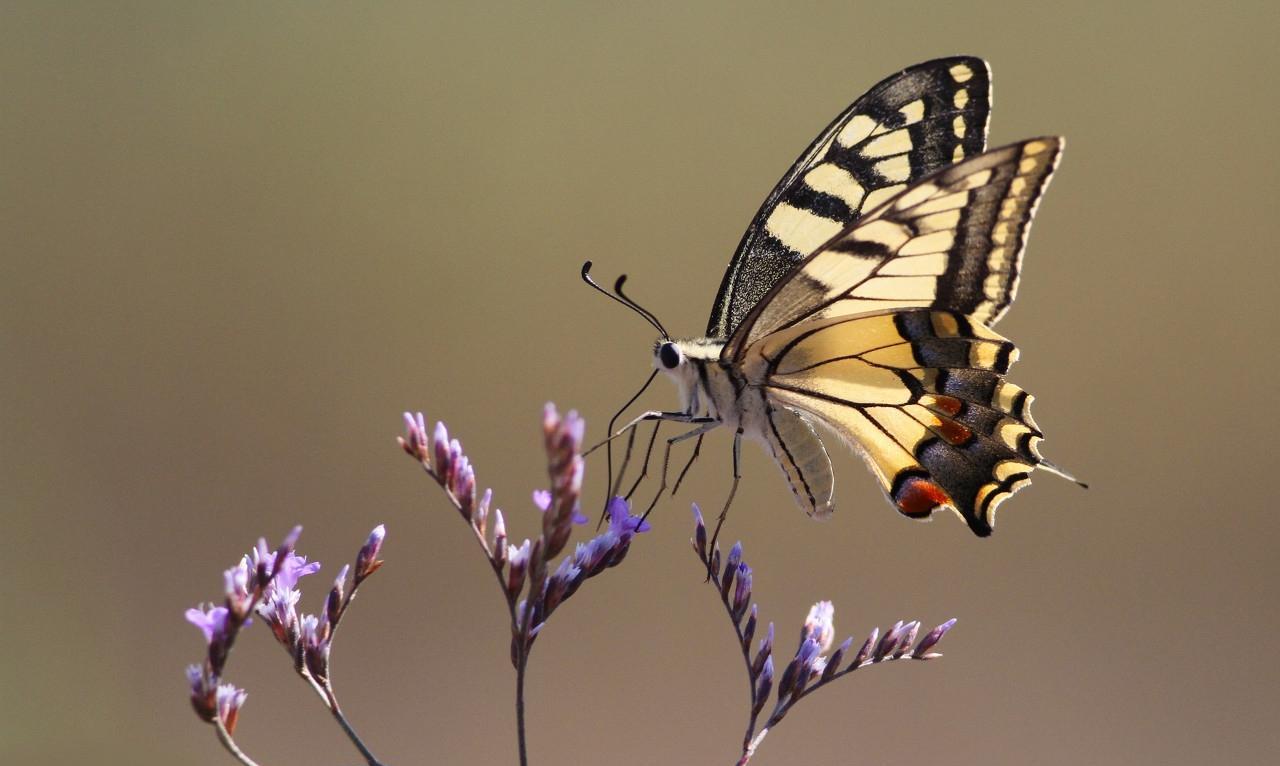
column 882, row 335
column 909, row 125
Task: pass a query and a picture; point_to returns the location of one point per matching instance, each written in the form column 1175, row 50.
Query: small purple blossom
column 240, row 583
column 440, row 447
column 229, row 701
column 621, row 520
column 293, row 568
column 819, row 624
column 563, row 441
column 415, row 441
column 203, row 692
column 367, row 559
column 211, row 620
column 931, row 639
column 213, row 701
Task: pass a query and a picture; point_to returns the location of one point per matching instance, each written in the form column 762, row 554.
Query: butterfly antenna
column 646, row 313
column 624, row 300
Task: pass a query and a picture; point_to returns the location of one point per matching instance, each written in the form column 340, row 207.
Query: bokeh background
column 240, row 238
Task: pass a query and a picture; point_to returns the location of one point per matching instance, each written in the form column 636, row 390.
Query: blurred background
column 241, row 238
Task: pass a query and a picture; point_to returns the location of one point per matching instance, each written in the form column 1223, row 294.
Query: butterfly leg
column 697, row 450
column 733, row 490
column 699, row 432
column 629, row 428
column 615, row 481
column 678, row 417
column 644, row 467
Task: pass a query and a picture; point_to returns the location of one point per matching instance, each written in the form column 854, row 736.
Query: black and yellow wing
column 883, row 336
column 908, row 126
column 921, row 395
column 952, row 241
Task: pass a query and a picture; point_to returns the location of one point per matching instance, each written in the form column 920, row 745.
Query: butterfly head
column 667, row 355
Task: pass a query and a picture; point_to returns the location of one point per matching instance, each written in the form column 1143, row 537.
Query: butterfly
column 860, row 303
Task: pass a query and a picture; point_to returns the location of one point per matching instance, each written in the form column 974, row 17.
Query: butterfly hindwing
column 800, row 453
column 952, row 241
column 921, row 394
column 906, row 127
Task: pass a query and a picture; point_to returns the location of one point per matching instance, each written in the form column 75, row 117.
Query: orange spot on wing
column 918, row 497
column 948, row 404
column 954, row 432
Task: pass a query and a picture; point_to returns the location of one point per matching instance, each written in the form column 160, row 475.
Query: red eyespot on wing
column 918, row 497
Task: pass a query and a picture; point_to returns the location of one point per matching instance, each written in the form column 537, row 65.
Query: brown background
column 240, row 239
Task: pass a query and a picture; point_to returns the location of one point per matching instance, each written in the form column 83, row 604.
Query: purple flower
column 621, row 522
column 229, row 701
column 367, row 559
column 931, row 639
column 293, row 568
column 518, row 562
column 211, row 620
column 889, row 641
column 542, row 499
column 499, row 537
column 333, row 604
column 699, row 534
column 440, row 446
column 741, row 591
column 415, row 440
column 764, row 684
column 563, row 440
column 240, row 584
column 279, row 610
column 279, row 605
column 819, row 625
column 203, row 693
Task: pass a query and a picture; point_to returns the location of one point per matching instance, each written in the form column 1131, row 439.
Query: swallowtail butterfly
column 861, row 299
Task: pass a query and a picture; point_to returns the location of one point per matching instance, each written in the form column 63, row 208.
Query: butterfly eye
column 669, row 355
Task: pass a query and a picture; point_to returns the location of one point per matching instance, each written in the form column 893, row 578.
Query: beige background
column 240, row 239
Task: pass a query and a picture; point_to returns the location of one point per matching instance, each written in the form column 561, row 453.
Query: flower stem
column 351, row 733
column 224, row 737
column 750, row 749
column 524, row 757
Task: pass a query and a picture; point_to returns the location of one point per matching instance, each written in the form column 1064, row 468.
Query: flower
column 621, row 521
column 229, row 700
column 931, row 639
column 213, row 701
column 211, row 620
column 293, row 568
column 819, row 625
column 367, row 559
column 415, row 441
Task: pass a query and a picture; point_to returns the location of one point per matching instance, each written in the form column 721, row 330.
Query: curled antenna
column 624, row 299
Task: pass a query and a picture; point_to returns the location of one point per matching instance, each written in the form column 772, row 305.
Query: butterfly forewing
column 952, row 241
column 908, row 126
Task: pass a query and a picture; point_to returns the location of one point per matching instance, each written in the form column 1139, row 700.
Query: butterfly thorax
column 707, row 385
